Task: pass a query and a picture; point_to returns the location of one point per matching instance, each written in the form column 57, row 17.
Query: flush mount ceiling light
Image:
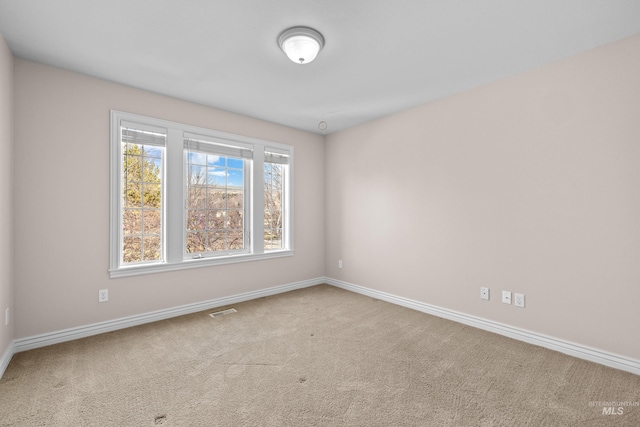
column 301, row 44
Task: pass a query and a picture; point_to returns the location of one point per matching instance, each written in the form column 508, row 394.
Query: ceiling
column 380, row 56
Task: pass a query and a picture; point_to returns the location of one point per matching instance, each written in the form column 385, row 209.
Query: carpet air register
column 223, row 312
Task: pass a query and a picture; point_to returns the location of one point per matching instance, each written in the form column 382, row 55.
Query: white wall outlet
column 506, row 297
column 484, row 293
column 103, row 295
column 339, row 263
column 518, row 300
column 6, row 317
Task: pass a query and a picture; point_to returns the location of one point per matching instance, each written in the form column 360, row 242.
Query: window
column 141, row 213
column 184, row 197
column 275, row 207
column 216, row 188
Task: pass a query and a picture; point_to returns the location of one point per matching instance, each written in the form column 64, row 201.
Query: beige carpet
column 320, row 356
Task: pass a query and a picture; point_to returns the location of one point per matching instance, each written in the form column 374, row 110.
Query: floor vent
column 223, row 312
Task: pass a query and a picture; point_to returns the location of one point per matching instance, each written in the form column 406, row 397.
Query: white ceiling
column 380, row 56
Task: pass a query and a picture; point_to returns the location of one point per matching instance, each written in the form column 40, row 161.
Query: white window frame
column 285, row 160
column 248, row 214
column 174, row 199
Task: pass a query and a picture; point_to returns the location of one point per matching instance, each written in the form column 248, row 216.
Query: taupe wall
column 6, row 193
column 62, row 205
column 530, row 184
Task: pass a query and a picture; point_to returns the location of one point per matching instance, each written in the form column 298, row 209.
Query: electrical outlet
column 103, row 295
column 484, row 293
column 518, row 300
column 339, row 263
column 6, row 317
column 506, row 297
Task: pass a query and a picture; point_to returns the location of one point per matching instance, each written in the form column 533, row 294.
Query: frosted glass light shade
column 301, row 44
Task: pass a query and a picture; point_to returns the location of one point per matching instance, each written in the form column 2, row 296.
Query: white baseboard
column 572, row 349
column 36, row 341
column 6, row 358
column 566, row 347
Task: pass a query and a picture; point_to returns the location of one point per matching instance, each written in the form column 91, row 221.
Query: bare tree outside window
column 215, row 203
column 273, row 205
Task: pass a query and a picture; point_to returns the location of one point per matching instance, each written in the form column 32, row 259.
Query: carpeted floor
column 319, row 356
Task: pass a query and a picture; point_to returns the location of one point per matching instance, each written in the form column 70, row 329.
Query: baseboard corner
column 6, row 358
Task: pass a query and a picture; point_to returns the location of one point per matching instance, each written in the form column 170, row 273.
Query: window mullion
column 257, row 204
column 174, row 206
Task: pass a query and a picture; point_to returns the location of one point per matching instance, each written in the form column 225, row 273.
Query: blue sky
column 218, row 168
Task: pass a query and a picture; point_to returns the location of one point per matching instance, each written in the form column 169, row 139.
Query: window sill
column 137, row 270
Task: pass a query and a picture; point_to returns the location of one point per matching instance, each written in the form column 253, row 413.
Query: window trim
column 271, row 156
column 248, row 214
column 173, row 199
column 121, row 236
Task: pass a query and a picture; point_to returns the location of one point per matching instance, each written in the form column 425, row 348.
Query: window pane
column 152, row 195
column 235, row 198
column 219, row 200
column 235, row 178
column 234, row 219
column 217, row 241
column 152, row 248
column 272, row 219
column 132, row 249
column 132, row 164
column 142, row 190
column 213, row 160
column 196, row 219
column 216, row 219
column 273, row 199
column 217, row 176
column 132, row 221
column 196, row 158
column 196, row 197
column 197, row 175
column 151, row 151
column 196, row 242
column 152, row 221
column 152, row 170
column 274, row 175
column 235, row 163
column 235, row 239
column 272, row 239
column 132, row 194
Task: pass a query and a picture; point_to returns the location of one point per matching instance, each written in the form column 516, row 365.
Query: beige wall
column 62, row 201
column 6, row 193
column 530, row 184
